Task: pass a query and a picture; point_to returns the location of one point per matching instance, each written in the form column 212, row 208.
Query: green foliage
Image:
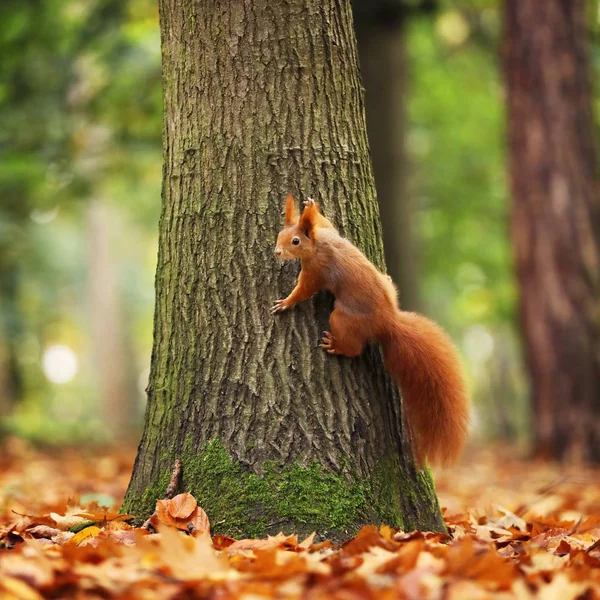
column 457, row 150
column 456, row 147
column 80, row 118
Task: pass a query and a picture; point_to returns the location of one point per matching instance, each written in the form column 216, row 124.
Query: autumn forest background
column 482, row 122
column 80, row 178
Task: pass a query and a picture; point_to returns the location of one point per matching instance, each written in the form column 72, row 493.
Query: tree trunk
column 556, row 220
column 113, row 357
column 380, row 34
column 11, row 384
column 9, row 378
column 262, row 98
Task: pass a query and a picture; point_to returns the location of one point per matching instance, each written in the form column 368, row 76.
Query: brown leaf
column 368, row 537
column 563, row 548
column 561, row 588
column 35, row 568
column 273, row 541
column 412, row 585
column 190, row 558
column 195, row 522
column 199, row 521
column 43, row 531
column 13, row 588
column 479, row 562
column 162, row 514
column 182, row 506
column 74, row 515
column 252, row 544
column 308, row 542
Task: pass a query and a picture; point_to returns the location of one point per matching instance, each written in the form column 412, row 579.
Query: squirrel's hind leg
column 346, row 336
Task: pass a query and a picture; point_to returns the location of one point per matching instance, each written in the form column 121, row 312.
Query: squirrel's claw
column 308, row 202
column 327, row 343
column 278, row 307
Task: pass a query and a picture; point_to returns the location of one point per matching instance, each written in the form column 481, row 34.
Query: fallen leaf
column 191, row 558
column 84, row 535
column 181, row 506
column 13, row 588
column 199, row 521
column 561, row 588
column 195, row 521
column 74, row 515
column 43, row 531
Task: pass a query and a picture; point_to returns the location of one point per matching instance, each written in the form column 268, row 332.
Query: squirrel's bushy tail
column 424, row 363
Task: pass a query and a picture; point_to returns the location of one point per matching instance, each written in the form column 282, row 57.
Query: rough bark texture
column 556, row 220
column 380, row 35
column 262, row 98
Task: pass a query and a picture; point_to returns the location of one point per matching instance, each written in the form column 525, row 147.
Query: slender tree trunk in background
column 10, row 336
column 556, row 220
column 380, row 34
column 502, row 405
column 262, row 98
column 9, row 377
column 113, row 360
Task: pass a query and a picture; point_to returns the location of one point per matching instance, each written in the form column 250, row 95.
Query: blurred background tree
column 381, row 36
column 435, row 112
column 80, row 172
column 556, row 220
column 80, row 124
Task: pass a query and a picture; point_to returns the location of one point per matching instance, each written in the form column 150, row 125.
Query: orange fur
column 418, row 353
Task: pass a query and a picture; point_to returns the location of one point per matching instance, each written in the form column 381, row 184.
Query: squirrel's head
column 296, row 239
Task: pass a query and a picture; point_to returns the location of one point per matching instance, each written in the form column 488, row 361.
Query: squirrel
column 418, row 354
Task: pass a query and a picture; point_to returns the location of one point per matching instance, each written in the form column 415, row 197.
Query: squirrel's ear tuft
column 308, row 220
column 291, row 212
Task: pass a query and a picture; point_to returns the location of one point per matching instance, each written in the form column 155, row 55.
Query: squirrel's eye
column 296, row 241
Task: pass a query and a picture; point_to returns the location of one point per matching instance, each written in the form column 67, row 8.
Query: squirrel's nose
column 278, row 251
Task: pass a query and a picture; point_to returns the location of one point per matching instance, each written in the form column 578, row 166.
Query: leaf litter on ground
column 516, row 529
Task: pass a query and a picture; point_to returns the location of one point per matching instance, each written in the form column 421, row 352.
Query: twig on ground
column 171, row 489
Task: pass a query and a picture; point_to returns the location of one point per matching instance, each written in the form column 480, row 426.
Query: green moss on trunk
column 293, row 498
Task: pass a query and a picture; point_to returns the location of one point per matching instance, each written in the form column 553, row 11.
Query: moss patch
column 293, row 498
column 241, row 503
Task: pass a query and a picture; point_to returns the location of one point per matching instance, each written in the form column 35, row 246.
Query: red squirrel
column 418, row 353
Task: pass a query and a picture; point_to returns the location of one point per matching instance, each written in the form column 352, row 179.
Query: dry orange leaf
column 11, row 587
column 181, row 506
column 195, row 521
column 199, row 519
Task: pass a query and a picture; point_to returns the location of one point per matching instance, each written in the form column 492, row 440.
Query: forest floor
column 518, row 529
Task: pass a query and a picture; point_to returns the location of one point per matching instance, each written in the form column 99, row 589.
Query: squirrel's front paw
column 328, row 343
column 279, row 306
column 308, row 202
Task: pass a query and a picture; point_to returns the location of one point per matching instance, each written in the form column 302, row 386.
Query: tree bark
column 263, row 98
column 380, row 34
column 556, row 220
